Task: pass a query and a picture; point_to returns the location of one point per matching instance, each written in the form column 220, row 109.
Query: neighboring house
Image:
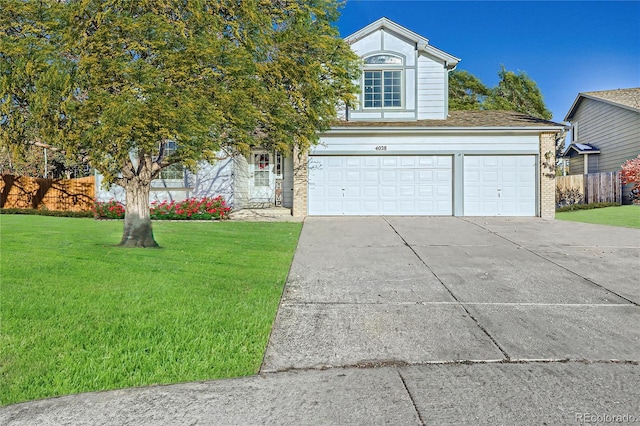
column 401, row 152
column 605, row 132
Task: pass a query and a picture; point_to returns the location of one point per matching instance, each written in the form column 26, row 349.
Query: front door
column 262, row 177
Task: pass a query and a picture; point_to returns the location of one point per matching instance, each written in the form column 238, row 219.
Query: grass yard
column 628, row 216
column 80, row 314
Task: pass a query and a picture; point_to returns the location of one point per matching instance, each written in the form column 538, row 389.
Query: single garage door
column 500, row 185
column 380, row 185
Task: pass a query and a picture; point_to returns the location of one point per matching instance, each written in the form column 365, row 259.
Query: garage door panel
column 425, row 191
column 407, row 176
column 334, row 163
column 370, row 191
column 425, row 176
column 389, row 162
column 408, row 162
column 443, row 162
column 407, row 191
column 372, row 185
column 388, row 191
column 353, row 176
column 388, row 176
column 351, row 162
column 499, row 185
column 371, row 162
column 444, row 177
column 443, row 191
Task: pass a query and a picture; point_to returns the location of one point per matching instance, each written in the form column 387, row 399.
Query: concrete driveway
column 430, row 320
column 415, row 290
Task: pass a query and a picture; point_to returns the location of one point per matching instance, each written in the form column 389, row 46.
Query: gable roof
column 623, row 98
column 485, row 120
column 580, row 148
column 422, row 43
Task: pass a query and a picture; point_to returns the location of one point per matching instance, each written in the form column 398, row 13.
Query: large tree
column 517, row 92
column 198, row 75
column 466, row 91
column 33, row 79
column 514, row 92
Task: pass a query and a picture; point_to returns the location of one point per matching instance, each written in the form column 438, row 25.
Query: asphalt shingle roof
column 625, row 97
column 469, row 119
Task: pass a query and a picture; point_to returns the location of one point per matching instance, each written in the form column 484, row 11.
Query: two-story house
column 605, row 132
column 401, row 151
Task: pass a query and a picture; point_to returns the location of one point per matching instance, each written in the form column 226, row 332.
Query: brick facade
column 547, row 175
column 300, row 171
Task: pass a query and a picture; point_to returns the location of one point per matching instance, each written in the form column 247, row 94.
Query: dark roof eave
column 447, row 129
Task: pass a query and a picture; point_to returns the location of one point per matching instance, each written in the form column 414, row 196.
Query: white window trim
column 382, row 68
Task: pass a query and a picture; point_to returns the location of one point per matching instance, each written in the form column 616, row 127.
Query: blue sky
column 567, row 47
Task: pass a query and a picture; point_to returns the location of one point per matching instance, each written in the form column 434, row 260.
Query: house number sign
column 381, row 148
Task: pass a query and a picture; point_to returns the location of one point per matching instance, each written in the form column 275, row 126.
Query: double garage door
column 421, row 185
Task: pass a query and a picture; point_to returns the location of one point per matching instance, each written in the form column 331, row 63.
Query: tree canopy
column 203, row 75
column 514, row 92
column 466, row 91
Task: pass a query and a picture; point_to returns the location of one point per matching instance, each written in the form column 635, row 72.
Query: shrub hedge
column 585, row 206
column 39, row 212
column 190, row 209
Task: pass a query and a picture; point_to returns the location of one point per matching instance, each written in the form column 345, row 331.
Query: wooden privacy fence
column 603, row 187
column 22, row 192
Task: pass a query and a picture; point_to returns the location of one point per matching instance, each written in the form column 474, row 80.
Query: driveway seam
column 553, row 262
column 364, row 365
column 455, row 303
column 413, row 402
column 484, row 330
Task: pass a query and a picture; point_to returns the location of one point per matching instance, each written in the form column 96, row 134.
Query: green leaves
column 514, row 92
column 116, row 78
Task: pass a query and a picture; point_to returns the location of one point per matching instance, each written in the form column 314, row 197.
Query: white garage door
column 500, row 185
column 380, row 185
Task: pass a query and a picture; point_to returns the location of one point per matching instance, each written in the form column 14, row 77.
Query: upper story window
column 382, row 86
column 174, row 171
column 574, row 132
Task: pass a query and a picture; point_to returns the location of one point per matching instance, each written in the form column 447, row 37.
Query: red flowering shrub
column 189, row 209
column 631, row 174
column 110, row 210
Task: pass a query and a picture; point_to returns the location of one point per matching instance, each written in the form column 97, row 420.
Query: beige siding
column 576, row 165
column 613, row 130
column 287, row 185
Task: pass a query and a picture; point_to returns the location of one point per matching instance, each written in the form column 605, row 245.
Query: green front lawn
column 79, row 314
column 628, row 216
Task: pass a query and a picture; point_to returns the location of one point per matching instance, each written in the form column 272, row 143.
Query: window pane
column 372, row 89
column 382, row 89
column 175, row 171
column 392, row 89
column 261, row 178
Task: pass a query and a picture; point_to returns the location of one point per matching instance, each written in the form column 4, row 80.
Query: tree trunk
column 137, row 220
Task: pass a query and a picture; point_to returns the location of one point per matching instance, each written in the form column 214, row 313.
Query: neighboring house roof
column 624, row 98
column 580, row 148
column 422, row 43
column 464, row 120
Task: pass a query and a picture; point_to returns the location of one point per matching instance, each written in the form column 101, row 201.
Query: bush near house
column 44, row 212
column 189, row 209
column 591, row 206
column 631, row 175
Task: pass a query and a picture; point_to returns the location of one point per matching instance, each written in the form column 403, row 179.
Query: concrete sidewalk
column 423, row 320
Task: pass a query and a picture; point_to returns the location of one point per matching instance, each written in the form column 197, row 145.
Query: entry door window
column 261, row 176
